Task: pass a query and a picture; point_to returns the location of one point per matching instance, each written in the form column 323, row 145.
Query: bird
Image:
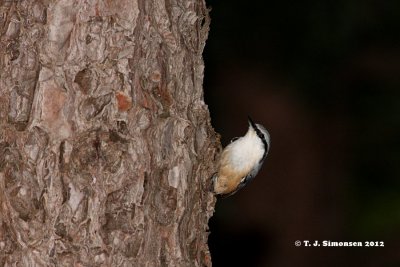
column 241, row 160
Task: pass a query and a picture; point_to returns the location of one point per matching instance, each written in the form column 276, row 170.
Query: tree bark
column 106, row 147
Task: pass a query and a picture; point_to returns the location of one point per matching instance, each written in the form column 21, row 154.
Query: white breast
column 245, row 152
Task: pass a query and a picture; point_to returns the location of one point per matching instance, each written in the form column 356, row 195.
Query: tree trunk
column 106, row 148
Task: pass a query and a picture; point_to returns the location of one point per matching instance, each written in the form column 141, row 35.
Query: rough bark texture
column 106, row 147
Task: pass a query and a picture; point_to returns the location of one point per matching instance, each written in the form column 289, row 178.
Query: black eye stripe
column 264, row 141
column 262, row 137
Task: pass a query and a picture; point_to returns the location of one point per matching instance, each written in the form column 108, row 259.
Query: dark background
column 324, row 78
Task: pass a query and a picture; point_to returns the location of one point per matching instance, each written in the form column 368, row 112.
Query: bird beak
column 251, row 122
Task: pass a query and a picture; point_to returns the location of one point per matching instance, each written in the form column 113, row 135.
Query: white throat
column 246, row 151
